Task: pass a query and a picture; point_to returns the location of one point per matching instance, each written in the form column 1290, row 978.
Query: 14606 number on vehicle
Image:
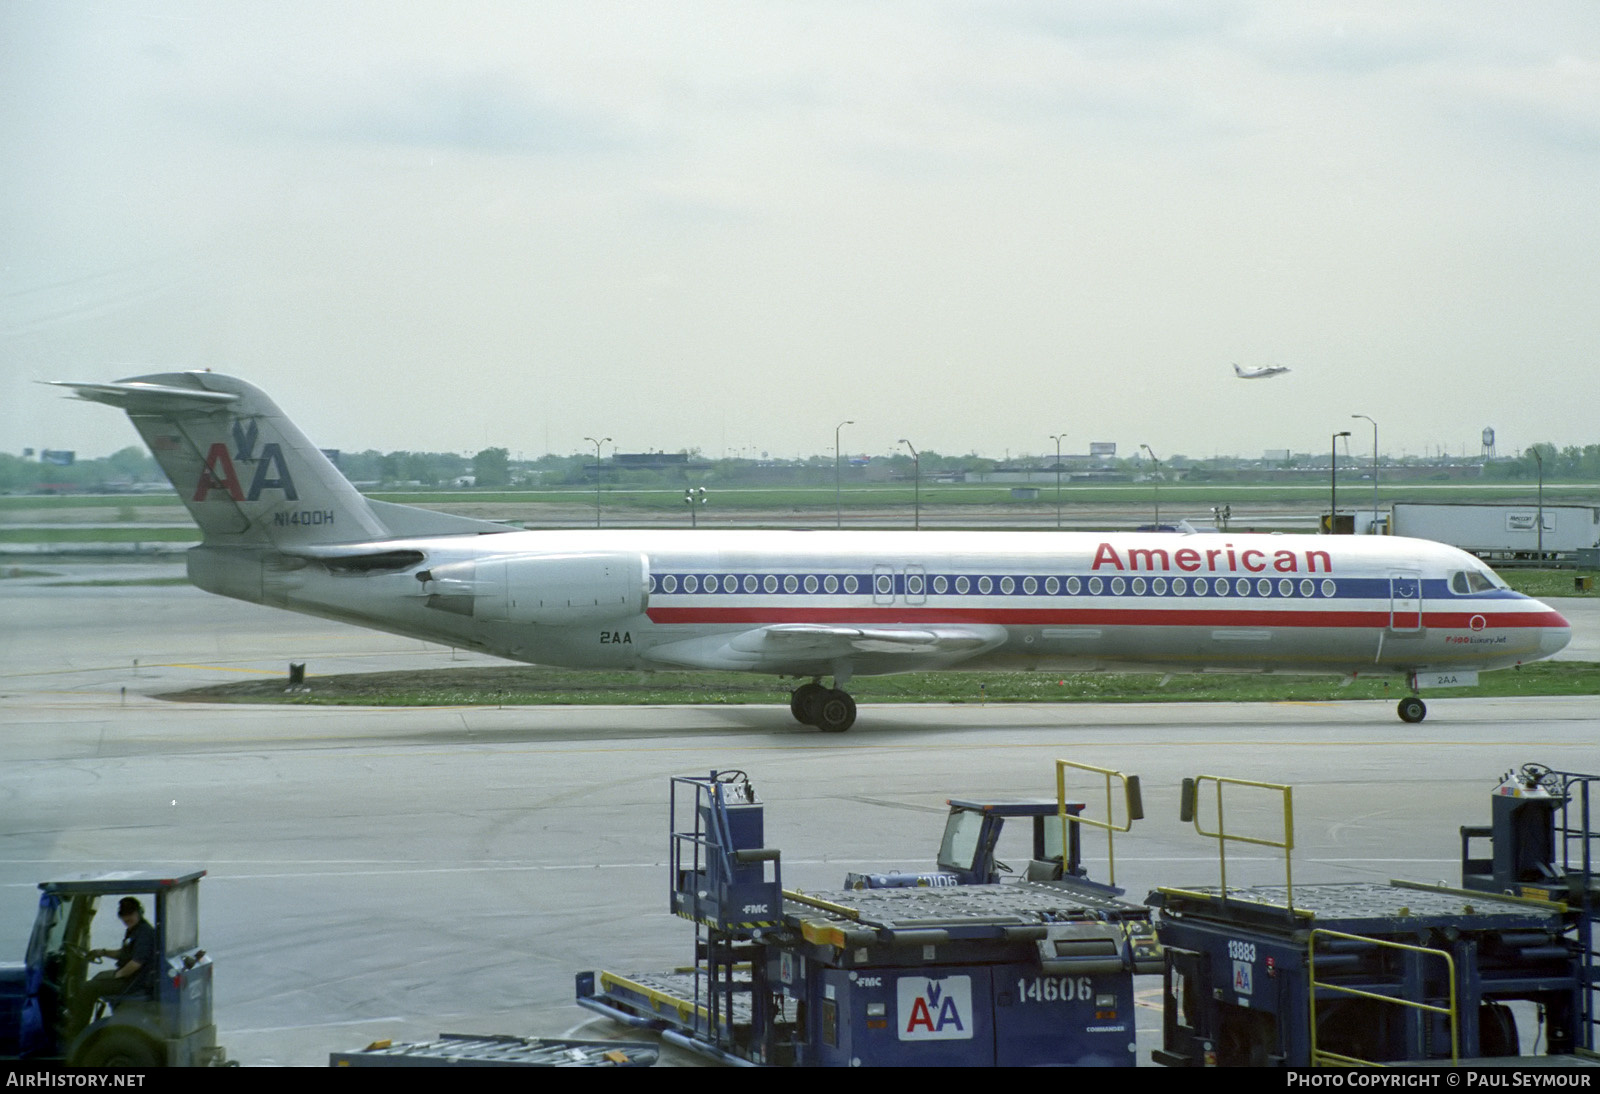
column 1055, row 989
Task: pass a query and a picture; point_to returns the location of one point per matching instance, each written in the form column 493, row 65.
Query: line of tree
column 126, row 467
column 1565, row 464
column 494, row 468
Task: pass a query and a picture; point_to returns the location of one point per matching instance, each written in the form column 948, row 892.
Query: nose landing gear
column 1412, row 709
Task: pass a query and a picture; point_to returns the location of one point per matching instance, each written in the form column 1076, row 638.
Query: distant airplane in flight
column 281, row 526
column 1258, row 373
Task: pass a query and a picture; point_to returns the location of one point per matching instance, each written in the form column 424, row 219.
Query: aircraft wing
column 834, row 639
column 808, row 648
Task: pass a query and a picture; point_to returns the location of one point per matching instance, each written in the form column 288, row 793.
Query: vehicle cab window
column 960, row 845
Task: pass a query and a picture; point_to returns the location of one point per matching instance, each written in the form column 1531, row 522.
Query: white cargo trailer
column 1500, row 532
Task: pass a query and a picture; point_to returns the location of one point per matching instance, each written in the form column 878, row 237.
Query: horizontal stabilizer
column 143, row 398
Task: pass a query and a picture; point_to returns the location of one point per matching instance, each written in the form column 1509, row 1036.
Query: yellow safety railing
column 1320, row 1058
column 1133, row 808
column 1190, row 811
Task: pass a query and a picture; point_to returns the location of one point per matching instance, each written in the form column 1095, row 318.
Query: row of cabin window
column 963, row 585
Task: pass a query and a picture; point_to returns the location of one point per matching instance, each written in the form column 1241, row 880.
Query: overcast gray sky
column 734, row 225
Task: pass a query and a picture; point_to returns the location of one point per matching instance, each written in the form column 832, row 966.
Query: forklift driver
column 135, row 974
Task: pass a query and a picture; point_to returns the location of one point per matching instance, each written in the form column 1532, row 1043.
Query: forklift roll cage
column 172, row 1024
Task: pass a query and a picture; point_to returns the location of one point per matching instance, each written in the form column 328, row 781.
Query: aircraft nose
column 1554, row 632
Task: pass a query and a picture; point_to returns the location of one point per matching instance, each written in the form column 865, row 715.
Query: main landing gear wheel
column 1412, row 709
column 829, row 709
column 836, row 713
column 803, row 702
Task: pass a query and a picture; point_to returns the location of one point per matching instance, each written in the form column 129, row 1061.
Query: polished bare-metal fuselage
column 1048, row 601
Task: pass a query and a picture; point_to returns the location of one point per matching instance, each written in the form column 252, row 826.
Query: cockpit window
column 1466, row 582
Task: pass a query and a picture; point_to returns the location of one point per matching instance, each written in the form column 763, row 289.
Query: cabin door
column 1405, row 602
column 916, row 585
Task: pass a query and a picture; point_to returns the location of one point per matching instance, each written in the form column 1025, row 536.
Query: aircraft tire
column 1412, row 709
column 836, row 712
column 804, row 702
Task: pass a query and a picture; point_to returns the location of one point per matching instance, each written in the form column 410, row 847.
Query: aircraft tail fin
column 247, row 474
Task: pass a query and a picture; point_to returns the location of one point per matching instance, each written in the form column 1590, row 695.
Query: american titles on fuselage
column 1189, row 559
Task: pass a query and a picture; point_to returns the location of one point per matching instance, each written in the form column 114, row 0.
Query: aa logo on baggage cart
column 935, row 1010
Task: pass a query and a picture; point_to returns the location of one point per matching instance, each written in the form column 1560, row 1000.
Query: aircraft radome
column 1259, row 373
column 281, row 526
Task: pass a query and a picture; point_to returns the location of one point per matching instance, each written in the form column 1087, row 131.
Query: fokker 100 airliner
column 1259, row 373
column 281, row 526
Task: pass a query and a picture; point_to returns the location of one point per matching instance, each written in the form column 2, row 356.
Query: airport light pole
column 1539, row 459
column 838, row 506
column 1333, row 484
column 1057, row 438
column 597, row 444
column 1156, row 480
column 1374, row 529
column 916, row 490
column 691, row 497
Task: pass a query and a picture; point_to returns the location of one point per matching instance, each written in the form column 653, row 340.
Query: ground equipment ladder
column 730, row 885
column 1576, row 839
